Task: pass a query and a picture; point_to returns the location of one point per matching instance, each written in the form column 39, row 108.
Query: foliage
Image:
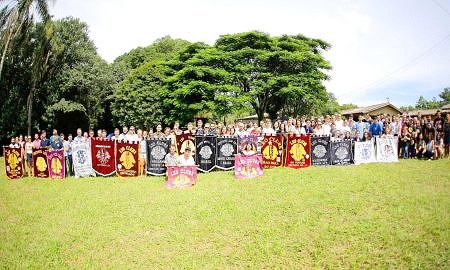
column 373, row 216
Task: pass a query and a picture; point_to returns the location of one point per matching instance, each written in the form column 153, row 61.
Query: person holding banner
column 186, row 159
column 44, row 141
column 142, row 153
column 36, row 141
column 248, row 150
column 29, row 154
column 447, row 135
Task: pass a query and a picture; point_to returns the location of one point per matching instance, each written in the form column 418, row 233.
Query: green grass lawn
column 382, row 216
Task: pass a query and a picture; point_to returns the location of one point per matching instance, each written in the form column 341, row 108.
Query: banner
column 364, row 152
column 272, row 151
column 298, row 151
column 127, row 159
column 56, row 164
column 226, row 149
column 205, row 153
column 341, row 152
column 82, row 161
column 247, row 166
column 13, row 163
column 183, row 141
column 387, row 149
column 320, row 151
column 244, row 141
column 40, row 167
column 181, row 176
column 156, row 154
column 103, row 156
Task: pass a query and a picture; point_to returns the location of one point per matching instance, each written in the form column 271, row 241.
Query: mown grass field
column 381, row 216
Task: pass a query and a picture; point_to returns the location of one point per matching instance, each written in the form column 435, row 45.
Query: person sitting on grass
column 186, row 159
column 171, row 158
column 421, row 146
column 248, row 150
column 430, row 152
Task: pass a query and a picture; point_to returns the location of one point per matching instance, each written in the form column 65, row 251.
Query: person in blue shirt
column 44, row 141
column 360, row 126
column 376, row 128
column 55, row 140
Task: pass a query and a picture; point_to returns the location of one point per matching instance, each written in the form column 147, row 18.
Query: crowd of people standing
column 418, row 137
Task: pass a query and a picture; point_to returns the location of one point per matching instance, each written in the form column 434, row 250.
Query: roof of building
column 446, row 107
column 369, row 109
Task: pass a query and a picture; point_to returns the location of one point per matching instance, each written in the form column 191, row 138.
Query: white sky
column 380, row 48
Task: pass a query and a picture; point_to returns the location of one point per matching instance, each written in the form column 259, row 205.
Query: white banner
column 387, row 149
column 364, row 152
column 82, row 162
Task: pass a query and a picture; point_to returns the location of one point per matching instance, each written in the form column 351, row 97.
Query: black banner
column 156, row 153
column 205, row 154
column 320, row 151
column 341, row 152
column 226, row 149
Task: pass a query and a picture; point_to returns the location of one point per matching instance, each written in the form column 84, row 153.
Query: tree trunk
column 30, row 101
column 4, row 55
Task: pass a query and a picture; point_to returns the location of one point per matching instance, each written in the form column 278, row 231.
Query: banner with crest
column 127, row 159
column 387, row 149
column 364, row 152
column 103, row 156
column 185, row 140
column 205, row 153
column 156, row 153
column 272, row 151
column 226, row 149
column 248, row 166
column 82, row 160
column 40, row 167
column 298, row 151
column 56, row 164
column 181, row 176
column 341, row 152
column 13, row 163
column 320, row 151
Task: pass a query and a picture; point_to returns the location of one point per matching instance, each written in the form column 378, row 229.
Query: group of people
column 418, row 137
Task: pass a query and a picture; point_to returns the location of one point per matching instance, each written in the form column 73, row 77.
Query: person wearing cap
column 186, row 159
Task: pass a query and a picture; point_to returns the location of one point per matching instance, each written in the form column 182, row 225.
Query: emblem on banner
column 206, row 152
column 127, row 159
column 270, row 152
column 227, row 149
column 56, row 165
column 341, row 152
column 41, row 164
column 298, row 151
column 158, row 152
column 13, row 162
column 103, row 156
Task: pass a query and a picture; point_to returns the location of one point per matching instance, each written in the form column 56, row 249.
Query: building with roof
column 373, row 110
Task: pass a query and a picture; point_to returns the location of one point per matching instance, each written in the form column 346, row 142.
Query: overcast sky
column 380, row 48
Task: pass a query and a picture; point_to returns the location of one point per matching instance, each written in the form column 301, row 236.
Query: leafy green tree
column 269, row 74
column 445, row 96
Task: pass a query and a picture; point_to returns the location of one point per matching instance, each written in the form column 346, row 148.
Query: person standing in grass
column 447, row 135
column 67, row 144
column 29, row 154
column 44, row 141
column 36, row 141
column 405, row 141
column 142, row 152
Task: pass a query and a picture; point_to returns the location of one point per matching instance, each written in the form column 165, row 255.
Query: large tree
column 255, row 69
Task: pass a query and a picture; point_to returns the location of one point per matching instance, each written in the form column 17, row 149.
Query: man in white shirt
column 240, row 131
column 326, row 126
column 186, row 159
column 267, row 128
column 338, row 122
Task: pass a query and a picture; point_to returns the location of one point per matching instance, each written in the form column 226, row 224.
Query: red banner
column 247, row 166
column 272, row 151
column 181, row 176
column 40, row 167
column 298, row 151
column 13, row 163
column 56, row 164
column 103, row 156
column 127, row 159
column 185, row 140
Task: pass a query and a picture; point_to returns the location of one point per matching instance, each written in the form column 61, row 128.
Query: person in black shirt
column 44, row 141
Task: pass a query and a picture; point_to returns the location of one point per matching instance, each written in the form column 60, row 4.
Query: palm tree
column 14, row 16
